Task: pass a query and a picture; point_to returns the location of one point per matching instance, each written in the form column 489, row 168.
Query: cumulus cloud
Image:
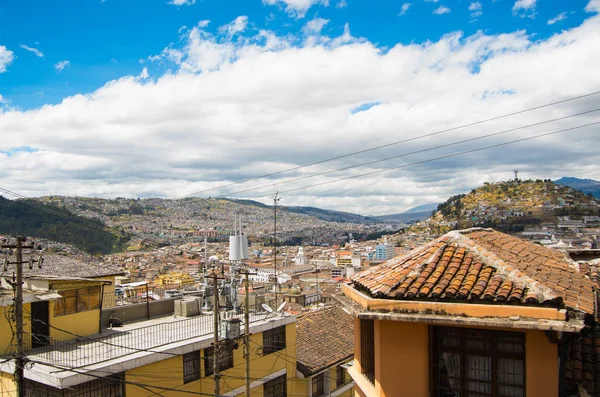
column 593, row 6
column 441, row 10
column 524, row 8
column 404, row 8
column 6, row 57
column 37, row 52
column 296, row 8
column 60, row 66
column 560, row 17
column 262, row 102
column 341, row 4
column 182, row 2
column 476, row 9
column 314, row 26
column 144, row 74
column 236, row 26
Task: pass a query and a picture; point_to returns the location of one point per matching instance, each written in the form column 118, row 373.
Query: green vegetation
column 31, row 218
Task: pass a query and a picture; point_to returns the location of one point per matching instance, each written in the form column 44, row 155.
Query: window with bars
column 478, row 363
column 225, row 359
column 276, row 387
column 77, row 300
column 318, row 385
column 191, row 366
column 111, row 386
column 367, row 349
column 274, row 340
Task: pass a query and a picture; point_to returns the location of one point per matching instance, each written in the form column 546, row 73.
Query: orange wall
column 401, row 359
column 541, row 365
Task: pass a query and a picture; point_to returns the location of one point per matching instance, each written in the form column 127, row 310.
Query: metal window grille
column 191, row 366
column 367, row 349
column 225, row 359
column 318, row 385
column 276, row 387
column 111, row 386
column 478, row 363
column 274, row 340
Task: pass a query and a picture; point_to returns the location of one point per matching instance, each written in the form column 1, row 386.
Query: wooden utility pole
column 247, row 331
column 18, row 287
column 216, row 344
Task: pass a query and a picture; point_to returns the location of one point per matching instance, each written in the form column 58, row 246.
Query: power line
column 433, row 159
column 414, row 152
column 397, row 143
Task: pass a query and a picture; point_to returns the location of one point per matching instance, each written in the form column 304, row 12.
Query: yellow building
column 475, row 312
column 174, row 280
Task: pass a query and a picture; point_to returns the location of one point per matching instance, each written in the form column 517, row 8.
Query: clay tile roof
column 324, row 338
column 482, row 265
column 67, row 266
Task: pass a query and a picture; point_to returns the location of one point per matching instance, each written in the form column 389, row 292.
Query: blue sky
column 105, row 40
column 173, row 97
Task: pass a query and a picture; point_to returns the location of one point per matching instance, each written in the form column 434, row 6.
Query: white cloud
column 236, row 26
column 37, row 52
column 593, row 6
column 6, row 57
column 314, row 26
column 341, row 4
column 296, row 8
column 560, row 17
column 182, row 2
column 404, row 8
column 431, row 1
column 524, row 8
column 231, row 108
column 60, row 66
column 441, row 10
column 476, row 9
column 144, row 74
column 204, row 23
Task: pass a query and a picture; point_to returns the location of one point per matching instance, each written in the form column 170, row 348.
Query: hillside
column 414, row 214
column 174, row 221
column 31, row 218
column 588, row 186
column 510, row 206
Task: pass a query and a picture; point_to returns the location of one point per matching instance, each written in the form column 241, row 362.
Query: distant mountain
column 404, row 217
column 331, row 215
column 422, row 208
column 32, row 218
column 585, row 185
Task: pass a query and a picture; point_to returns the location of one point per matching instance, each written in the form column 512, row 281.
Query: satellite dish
column 281, row 306
column 267, row 307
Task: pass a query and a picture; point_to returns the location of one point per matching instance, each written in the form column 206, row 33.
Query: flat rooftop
column 64, row 364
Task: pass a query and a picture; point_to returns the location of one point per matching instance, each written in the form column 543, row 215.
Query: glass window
column 318, row 385
column 478, row 363
column 367, row 349
column 340, row 377
column 276, row 387
column 274, row 340
column 191, row 366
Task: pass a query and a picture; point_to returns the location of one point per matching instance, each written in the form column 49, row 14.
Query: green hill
column 31, row 218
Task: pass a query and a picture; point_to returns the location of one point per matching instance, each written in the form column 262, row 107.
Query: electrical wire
column 398, row 142
column 432, row 159
column 413, row 152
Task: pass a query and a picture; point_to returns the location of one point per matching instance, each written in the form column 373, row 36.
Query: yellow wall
column 83, row 324
column 169, row 372
column 7, row 385
column 6, row 333
column 402, row 361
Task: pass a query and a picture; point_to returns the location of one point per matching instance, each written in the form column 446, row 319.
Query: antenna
column 516, row 174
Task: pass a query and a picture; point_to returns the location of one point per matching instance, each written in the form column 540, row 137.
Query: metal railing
column 83, row 351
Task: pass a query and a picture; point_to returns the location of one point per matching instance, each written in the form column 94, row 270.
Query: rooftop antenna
column 516, row 174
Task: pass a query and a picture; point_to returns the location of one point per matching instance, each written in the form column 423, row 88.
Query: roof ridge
column 502, row 268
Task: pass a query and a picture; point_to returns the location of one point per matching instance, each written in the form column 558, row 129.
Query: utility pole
column 18, row 287
column 216, row 344
column 275, row 201
column 247, row 331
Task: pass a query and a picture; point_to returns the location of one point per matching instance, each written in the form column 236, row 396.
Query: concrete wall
column 541, row 365
column 81, row 324
column 139, row 311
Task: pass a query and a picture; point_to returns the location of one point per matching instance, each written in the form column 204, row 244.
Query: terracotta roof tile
column 324, row 338
column 483, row 265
